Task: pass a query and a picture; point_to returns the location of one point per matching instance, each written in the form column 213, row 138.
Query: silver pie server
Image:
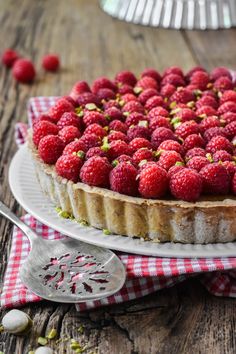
column 68, row 270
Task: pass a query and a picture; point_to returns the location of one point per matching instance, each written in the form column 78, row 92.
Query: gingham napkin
column 145, row 275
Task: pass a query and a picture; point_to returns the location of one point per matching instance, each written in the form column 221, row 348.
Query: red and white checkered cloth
column 145, row 275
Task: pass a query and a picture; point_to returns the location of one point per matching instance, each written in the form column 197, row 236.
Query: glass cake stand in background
column 176, row 14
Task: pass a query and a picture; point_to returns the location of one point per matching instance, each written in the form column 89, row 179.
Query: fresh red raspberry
column 23, row 71
column 69, row 118
column 169, row 159
column 113, row 113
column 146, row 94
column 206, row 111
column 91, row 117
column 182, row 96
column 222, row 155
column 186, row 185
column 110, row 104
column 209, row 93
column 69, row 133
column 218, row 72
column 192, row 141
column 128, row 97
column 228, row 106
column 50, row 148
column 184, row 114
column 154, row 101
column 134, row 118
column 133, row 106
column 51, row 62
column 192, row 71
column 219, row 143
column 212, row 132
column 43, row 117
column 122, row 158
column 209, row 122
column 126, row 77
column 153, row 181
column 117, row 136
column 95, row 151
column 42, row 129
column 228, row 95
column 139, row 143
column 173, row 79
column 228, row 117
column 145, row 164
column 86, row 98
column 167, row 90
column 68, row 166
column 207, row 101
column 223, row 83
column 117, row 148
column 122, row 90
column 187, row 128
column 106, row 94
column 171, row 145
column 95, row 129
column 197, row 163
column 79, row 88
column 147, row 82
column 194, row 152
column 151, row 73
column 141, row 155
column 95, row 172
column 230, row 167
column 74, row 146
column 118, row 126
column 200, row 79
column 174, row 169
column 173, row 70
column 161, row 134
column 70, row 100
column 9, row 57
column 215, row 179
column 160, row 121
column 138, row 132
column 60, row 107
column 158, row 111
column 123, row 179
column 101, row 83
column 90, row 140
column 230, row 130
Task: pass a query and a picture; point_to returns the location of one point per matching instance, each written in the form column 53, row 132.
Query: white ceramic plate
column 27, row 192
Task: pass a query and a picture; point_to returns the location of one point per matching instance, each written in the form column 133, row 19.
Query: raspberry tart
column 150, row 156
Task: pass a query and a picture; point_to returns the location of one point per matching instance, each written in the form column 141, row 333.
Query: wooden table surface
column 183, row 319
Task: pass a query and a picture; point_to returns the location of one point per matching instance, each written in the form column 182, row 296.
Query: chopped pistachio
column 179, row 163
column 121, row 103
column 143, row 123
column 115, row 163
column 141, row 163
column 91, row 106
column 191, row 104
column 173, row 104
column 106, row 232
column 138, row 90
column 42, row 341
column 209, row 157
column 52, row 334
column 126, row 114
column 81, row 114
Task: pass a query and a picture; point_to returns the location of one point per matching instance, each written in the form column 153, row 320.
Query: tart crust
column 209, row 220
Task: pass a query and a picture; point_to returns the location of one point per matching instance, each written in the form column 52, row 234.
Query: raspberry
column 215, row 179
column 122, row 90
column 159, row 122
column 95, row 172
column 228, row 95
column 42, row 129
column 117, row 148
column 212, row 132
column 145, row 164
column 91, row 117
column 197, row 163
column 223, row 83
column 169, row 159
column 110, row 104
column 167, row 90
column 154, row 101
column 74, row 146
column 69, row 118
column 142, row 154
column 43, row 117
column 113, row 113
column 173, row 79
column 187, row 128
column 128, row 97
column 192, row 141
column 138, row 132
column 216, row 73
column 192, row 71
column 23, row 70
column 69, row 133
column 51, row 62
column 133, row 106
column 101, row 83
column 9, row 57
column 134, row 118
column 60, row 107
column 219, row 143
column 194, row 152
column 209, row 93
column 95, row 129
column 209, row 122
column 182, row 96
column 186, row 185
column 221, row 155
column 123, row 158
column 207, row 101
column 117, row 136
column 78, row 88
column 123, row 179
column 230, row 130
column 158, row 111
column 170, row 145
column 174, row 169
column 205, row 111
column 230, row 167
column 184, row 114
column 68, row 166
column 153, row 181
column 151, row 73
column 228, row 106
column 90, row 140
column 126, row 77
column 70, row 100
column 50, row 148
column 228, row 117
column 119, row 126
column 139, row 143
column 200, row 79
column 95, row 151
column 161, row 134
column 173, row 70
column 87, row 97
column 105, row 94
column 147, row 82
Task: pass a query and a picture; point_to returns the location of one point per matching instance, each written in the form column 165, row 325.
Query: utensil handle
column 5, row 211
